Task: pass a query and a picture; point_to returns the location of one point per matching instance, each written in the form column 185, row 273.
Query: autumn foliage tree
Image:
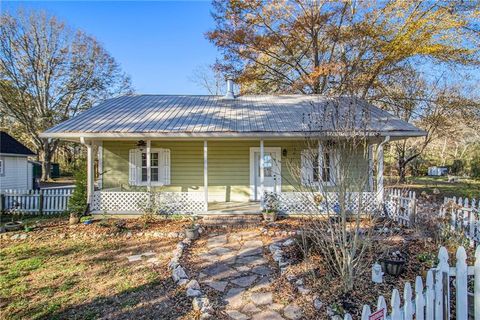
column 343, row 47
column 50, row 72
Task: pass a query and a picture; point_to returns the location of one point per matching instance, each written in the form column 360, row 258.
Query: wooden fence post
column 407, row 302
column 366, row 312
column 430, row 296
column 461, row 284
column 476, row 290
column 40, row 202
column 419, row 299
column 395, row 303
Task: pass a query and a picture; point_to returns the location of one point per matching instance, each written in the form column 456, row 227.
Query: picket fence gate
column 400, row 206
column 433, row 301
column 43, row 201
column 464, row 215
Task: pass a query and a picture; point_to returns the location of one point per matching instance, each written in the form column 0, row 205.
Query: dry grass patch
column 47, row 277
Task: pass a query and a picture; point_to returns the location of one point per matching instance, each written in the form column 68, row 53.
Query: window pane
column 326, row 167
column 144, row 174
column 154, row 174
column 267, row 165
column 154, row 160
column 144, row 159
column 315, row 169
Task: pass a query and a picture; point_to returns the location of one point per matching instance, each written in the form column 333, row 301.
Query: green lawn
column 70, row 277
column 463, row 188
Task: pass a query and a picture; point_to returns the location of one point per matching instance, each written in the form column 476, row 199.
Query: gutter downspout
column 90, row 177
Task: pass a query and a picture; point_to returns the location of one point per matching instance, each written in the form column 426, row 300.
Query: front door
column 272, row 171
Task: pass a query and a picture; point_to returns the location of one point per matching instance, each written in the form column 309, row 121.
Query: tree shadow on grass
column 155, row 300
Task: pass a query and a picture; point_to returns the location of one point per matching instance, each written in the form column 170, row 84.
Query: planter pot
column 13, row 226
column 270, row 217
column 392, row 267
column 192, row 233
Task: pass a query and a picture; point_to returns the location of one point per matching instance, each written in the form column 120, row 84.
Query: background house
column 16, row 172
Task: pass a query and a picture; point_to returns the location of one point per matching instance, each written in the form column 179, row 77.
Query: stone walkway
column 235, row 265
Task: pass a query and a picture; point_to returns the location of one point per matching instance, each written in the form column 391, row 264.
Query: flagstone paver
column 235, row 265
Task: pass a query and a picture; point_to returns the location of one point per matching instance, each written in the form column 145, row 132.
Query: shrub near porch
column 58, row 273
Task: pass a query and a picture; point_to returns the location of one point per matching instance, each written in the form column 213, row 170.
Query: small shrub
column 77, row 204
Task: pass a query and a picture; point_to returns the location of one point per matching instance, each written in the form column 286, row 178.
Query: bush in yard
column 475, row 166
column 78, row 201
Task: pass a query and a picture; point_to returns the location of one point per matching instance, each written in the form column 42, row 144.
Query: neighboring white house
column 15, row 170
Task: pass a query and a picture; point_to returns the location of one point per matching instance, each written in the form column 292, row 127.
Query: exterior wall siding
column 16, row 175
column 228, row 166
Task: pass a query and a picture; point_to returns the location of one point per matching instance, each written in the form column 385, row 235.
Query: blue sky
column 159, row 44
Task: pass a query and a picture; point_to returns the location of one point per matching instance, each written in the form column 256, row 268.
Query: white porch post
column 100, row 165
column 262, row 171
column 90, row 176
column 205, row 173
column 380, row 187
column 370, row 168
column 149, row 174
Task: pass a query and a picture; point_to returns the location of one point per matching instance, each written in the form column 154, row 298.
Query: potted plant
column 393, row 264
column 270, row 205
column 269, row 215
column 191, row 231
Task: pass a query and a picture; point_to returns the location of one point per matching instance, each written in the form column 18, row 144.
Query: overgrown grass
column 462, row 188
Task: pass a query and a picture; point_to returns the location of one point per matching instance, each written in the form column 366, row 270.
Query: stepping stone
column 261, row 298
column 244, row 281
column 251, row 308
column 253, row 244
column 220, row 271
column 217, row 285
column 264, row 283
column 208, row 257
column 220, row 251
column 293, row 312
column 245, row 252
column 262, row 270
column 242, row 268
column 236, row 315
column 148, row 254
column 134, row 258
column 252, row 260
column 233, row 297
column 267, row 315
column 217, row 241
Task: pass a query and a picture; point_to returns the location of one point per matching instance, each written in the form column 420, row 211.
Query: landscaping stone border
column 200, row 301
column 95, row 235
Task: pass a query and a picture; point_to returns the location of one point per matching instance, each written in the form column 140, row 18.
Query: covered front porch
column 205, row 176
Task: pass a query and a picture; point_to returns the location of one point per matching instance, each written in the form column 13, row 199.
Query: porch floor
column 226, row 208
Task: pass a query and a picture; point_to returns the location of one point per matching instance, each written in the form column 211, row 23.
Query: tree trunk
column 46, row 155
column 402, row 170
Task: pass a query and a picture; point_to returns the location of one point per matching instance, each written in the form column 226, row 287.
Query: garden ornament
column 377, row 274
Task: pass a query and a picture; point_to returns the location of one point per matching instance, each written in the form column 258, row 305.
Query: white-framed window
column 2, row 167
column 317, row 169
column 159, row 167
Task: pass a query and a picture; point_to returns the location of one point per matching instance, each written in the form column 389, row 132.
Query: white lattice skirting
column 303, row 202
column 112, row 202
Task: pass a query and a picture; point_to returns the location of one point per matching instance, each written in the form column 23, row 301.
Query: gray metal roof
column 170, row 115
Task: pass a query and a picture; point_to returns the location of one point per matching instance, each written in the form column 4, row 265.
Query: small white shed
column 15, row 170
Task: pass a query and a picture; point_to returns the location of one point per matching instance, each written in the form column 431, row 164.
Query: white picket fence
column 433, row 301
column 464, row 215
column 44, row 201
column 400, row 206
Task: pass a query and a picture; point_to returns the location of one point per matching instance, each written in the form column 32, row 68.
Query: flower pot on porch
column 192, row 233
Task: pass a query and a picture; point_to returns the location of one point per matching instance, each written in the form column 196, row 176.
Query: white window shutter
column 165, row 156
column 132, row 167
column 306, row 167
